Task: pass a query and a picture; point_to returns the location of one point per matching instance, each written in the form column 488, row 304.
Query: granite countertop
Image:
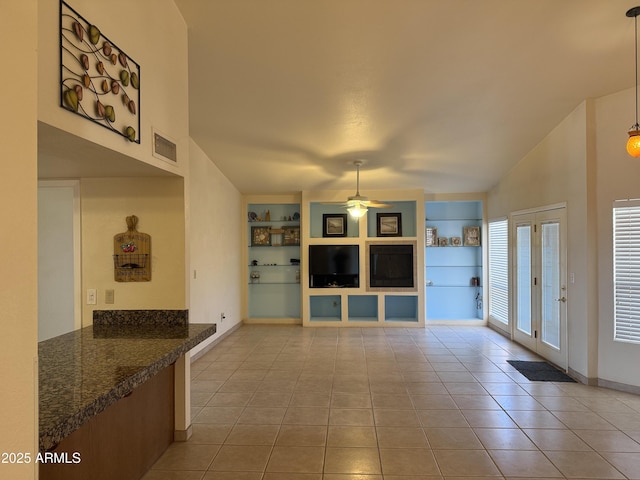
column 82, row 372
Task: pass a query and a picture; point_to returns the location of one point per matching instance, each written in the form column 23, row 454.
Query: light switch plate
column 92, row 296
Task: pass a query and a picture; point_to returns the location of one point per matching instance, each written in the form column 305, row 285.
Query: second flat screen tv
column 334, row 266
column 391, row 266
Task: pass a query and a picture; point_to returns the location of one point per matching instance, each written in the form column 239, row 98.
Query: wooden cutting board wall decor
column 132, row 254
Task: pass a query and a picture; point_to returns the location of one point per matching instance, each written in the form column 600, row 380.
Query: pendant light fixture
column 633, row 144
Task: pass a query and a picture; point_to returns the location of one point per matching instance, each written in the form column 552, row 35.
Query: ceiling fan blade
column 377, row 204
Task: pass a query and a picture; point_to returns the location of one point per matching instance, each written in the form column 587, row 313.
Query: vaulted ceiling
column 442, row 95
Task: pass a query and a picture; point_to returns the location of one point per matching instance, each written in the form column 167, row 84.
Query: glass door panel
column 551, row 284
column 523, row 275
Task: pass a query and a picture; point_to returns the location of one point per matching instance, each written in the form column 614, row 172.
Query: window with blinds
column 499, row 270
column 626, row 270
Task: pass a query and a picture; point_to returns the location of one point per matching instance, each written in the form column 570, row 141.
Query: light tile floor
column 293, row 403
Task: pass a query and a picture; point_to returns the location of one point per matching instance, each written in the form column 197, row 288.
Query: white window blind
column 626, row 270
column 499, row 270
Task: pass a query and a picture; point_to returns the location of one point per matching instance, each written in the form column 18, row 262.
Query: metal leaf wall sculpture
column 98, row 80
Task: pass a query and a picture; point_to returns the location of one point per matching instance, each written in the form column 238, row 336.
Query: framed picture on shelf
column 471, row 236
column 291, row 235
column 334, row 224
column 261, row 236
column 431, row 236
column 389, row 225
column 443, row 242
column 456, row 241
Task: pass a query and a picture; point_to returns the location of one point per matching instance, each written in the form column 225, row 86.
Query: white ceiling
column 442, row 95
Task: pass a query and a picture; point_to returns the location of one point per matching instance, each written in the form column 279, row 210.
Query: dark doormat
column 540, row 371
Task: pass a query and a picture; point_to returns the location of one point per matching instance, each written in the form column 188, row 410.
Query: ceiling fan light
column 633, row 144
column 357, row 211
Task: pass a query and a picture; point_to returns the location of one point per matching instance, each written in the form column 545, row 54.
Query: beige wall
column 159, row 205
column 558, row 170
column 154, row 35
column 618, row 177
column 215, row 225
column 18, row 235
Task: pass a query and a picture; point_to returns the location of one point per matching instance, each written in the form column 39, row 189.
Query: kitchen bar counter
column 83, row 372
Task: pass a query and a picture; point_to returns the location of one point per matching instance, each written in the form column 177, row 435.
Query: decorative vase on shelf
column 267, row 216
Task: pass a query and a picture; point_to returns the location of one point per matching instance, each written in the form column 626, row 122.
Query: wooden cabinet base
column 122, row 442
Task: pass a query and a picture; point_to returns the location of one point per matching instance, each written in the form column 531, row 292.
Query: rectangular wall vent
column 164, row 148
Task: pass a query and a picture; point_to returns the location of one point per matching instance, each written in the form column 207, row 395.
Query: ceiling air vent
column 163, row 148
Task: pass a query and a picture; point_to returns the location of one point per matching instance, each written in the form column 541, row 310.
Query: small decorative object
column 98, row 81
column 389, row 224
column 255, row 276
column 475, row 281
column 276, row 237
column 334, row 225
column 456, row 241
column 253, row 217
column 131, row 254
column 296, row 216
column 261, row 236
column 471, row 236
column 254, row 262
column 431, row 236
column 291, row 235
column 267, row 216
column 443, row 242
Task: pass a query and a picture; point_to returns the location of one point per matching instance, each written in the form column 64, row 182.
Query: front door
column 540, row 293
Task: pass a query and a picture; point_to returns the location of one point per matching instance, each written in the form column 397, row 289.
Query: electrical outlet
column 222, row 317
column 92, row 296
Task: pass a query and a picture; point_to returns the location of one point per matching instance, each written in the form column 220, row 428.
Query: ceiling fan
column 357, row 204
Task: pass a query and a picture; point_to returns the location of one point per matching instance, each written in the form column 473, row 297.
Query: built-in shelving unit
column 356, row 303
column 453, row 266
column 272, row 260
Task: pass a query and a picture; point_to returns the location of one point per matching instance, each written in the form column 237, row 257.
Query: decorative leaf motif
column 71, row 100
column 79, row 92
column 84, row 61
column 91, row 68
column 94, row 34
column 135, row 81
column 110, row 113
column 130, row 132
column 78, row 30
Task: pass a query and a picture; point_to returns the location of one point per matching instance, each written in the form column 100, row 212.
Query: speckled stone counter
column 83, row 372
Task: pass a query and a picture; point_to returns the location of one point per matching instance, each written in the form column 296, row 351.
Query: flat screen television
column 334, row 266
column 391, row 266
